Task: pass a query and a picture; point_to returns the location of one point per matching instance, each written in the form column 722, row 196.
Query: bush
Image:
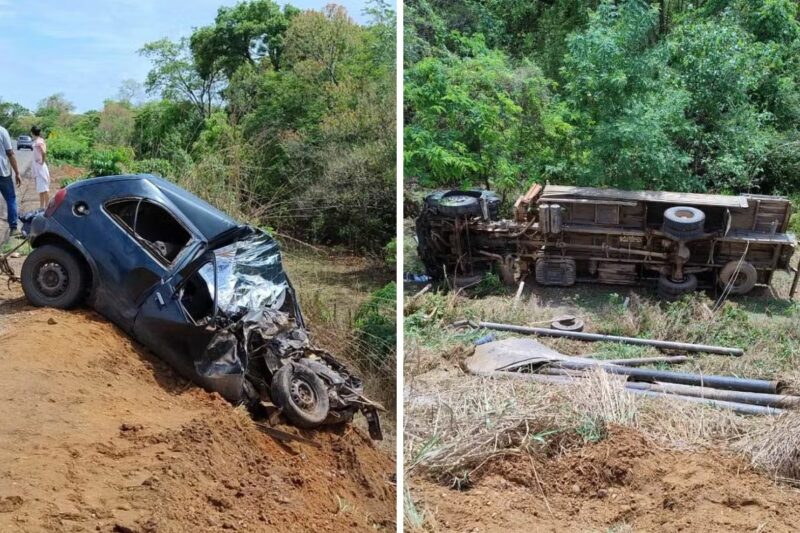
column 159, row 167
column 110, row 161
column 375, row 325
column 66, row 147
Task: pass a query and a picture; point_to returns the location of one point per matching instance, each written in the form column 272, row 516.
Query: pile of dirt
column 622, row 480
column 97, row 434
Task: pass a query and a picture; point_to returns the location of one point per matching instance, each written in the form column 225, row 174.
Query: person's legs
column 10, row 196
column 42, row 174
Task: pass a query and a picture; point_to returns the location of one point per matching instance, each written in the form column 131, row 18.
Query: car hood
column 249, row 275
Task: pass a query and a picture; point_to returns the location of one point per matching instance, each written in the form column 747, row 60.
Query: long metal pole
column 742, row 408
column 753, row 398
column 595, row 337
column 683, row 378
column 642, row 361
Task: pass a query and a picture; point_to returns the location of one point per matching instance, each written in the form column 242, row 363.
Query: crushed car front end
column 260, row 340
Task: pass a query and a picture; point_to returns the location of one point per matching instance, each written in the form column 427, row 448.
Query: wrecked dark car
column 206, row 294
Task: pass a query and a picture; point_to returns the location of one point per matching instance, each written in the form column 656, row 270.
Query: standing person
column 8, row 162
column 40, row 171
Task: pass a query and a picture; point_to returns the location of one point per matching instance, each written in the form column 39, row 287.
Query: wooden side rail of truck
column 564, row 235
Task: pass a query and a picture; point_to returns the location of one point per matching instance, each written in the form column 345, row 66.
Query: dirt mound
column 622, row 480
column 97, row 434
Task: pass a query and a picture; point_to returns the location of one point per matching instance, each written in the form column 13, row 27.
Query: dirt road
column 98, row 435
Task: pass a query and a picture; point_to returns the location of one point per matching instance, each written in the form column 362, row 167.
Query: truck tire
column 53, row 277
column 745, row 280
column 459, row 203
column 671, row 290
column 683, row 223
column 301, row 394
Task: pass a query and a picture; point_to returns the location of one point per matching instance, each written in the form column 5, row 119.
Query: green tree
column 175, row 76
column 243, row 34
column 321, row 41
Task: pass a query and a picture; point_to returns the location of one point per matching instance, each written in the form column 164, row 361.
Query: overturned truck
column 563, row 234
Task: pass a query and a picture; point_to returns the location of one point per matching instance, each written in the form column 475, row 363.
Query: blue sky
column 86, row 48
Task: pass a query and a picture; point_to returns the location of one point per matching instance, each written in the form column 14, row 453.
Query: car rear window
column 154, row 227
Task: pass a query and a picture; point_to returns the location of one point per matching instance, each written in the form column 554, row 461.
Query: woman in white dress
column 40, row 171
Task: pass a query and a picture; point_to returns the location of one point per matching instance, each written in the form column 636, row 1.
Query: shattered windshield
column 250, row 275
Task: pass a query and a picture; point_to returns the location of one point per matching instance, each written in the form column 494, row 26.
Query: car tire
column 745, row 280
column 301, row 394
column 458, row 203
column 671, row 290
column 53, row 277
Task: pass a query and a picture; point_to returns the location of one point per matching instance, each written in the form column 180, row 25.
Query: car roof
column 209, row 220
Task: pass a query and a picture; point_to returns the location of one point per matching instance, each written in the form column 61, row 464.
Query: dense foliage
column 280, row 116
column 688, row 96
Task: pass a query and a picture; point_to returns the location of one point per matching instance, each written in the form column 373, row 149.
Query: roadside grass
column 455, row 422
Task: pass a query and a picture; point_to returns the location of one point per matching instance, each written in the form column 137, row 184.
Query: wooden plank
column 678, row 198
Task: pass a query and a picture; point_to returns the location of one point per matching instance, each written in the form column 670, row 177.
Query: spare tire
column 671, row 290
column 746, row 277
column 682, row 222
column 459, row 203
column 301, row 394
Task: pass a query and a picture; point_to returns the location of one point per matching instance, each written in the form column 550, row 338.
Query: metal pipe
column 741, row 408
column 594, row 337
column 641, row 361
column 683, row 378
column 753, row 398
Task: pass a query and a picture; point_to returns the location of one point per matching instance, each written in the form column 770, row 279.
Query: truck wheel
column 671, row 290
column 53, row 277
column 301, row 394
column 683, row 222
column 459, row 203
column 745, row 279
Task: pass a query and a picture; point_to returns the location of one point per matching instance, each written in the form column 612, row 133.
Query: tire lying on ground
column 567, row 323
column 671, row 290
column 301, row 394
column 746, row 277
column 53, row 277
column 683, row 222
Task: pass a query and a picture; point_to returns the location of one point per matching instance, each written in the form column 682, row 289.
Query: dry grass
column 452, row 431
column 774, row 446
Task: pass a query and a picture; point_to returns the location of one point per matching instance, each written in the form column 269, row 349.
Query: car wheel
column 301, row 394
column 745, row 278
column 671, row 290
column 53, row 277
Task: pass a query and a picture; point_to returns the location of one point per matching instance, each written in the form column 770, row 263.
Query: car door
column 152, row 241
column 176, row 321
